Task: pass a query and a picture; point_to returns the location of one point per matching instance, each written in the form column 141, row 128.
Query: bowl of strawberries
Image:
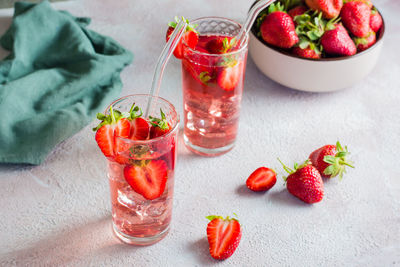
column 317, row 45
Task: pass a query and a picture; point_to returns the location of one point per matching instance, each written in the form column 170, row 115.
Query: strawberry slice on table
column 191, row 37
column 223, row 236
column 159, row 127
column 230, row 75
column 261, row 179
column 111, row 126
column 147, row 178
column 304, row 182
column 355, row 17
column 331, row 160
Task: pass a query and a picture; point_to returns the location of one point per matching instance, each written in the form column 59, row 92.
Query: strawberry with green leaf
column 304, row 182
column 191, row 37
column 310, row 28
column 337, row 42
column 223, row 236
column 278, row 28
column 220, row 45
column 331, row 160
column 159, row 127
column 112, row 125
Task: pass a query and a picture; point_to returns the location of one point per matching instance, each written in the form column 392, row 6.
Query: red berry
column 355, row 17
column 305, row 183
column 337, row 42
column 329, row 8
column 306, row 53
column 139, row 129
column 330, row 160
column 278, row 29
column 261, row 179
column 375, row 21
column 230, row 76
column 190, row 37
column 223, row 236
column 147, row 179
column 296, row 11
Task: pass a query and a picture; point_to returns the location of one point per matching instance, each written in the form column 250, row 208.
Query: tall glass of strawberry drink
column 141, row 156
column 212, row 79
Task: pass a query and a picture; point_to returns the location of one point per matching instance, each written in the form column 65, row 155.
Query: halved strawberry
column 223, row 236
column 229, row 77
column 147, row 178
column 111, row 126
column 191, row 37
column 159, row 127
column 139, row 129
column 261, row 179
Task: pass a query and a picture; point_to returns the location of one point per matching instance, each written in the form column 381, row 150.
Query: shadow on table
column 71, row 245
column 201, row 251
column 285, row 198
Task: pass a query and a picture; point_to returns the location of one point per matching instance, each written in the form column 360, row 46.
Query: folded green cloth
column 58, row 75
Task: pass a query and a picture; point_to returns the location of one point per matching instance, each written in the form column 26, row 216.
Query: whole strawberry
column 278, row 28
column 306, row 52
column 329, row 8
column 367, row 2
column 305, row 182
column 375, row 20
column 331, row 160
column 296, row 11
column 337, row 42
column 355, row 17
column 223, row 236
column 365, row 42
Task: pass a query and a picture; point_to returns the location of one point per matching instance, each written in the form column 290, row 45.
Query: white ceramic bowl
column 322, row 75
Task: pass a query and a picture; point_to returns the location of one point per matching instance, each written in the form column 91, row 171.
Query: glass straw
column 162, row 62
column 251, row 17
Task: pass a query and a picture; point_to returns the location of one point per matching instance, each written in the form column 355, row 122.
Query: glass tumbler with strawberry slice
column 213, row 70
column 141, row 155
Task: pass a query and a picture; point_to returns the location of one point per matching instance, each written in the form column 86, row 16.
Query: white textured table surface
column 58, row 214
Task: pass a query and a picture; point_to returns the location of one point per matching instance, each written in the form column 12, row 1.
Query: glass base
column 139, row 241
column 208, row 152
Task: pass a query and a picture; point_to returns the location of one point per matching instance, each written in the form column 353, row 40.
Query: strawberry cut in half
column 223, row 236
column 111, row 126
column 191, row 37
column 147, row 178
column 262, row 179
column 139, row 129
column 229, row 77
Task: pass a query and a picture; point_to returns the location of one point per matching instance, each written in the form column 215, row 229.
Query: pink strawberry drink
column 212, row 81
column 141, row 173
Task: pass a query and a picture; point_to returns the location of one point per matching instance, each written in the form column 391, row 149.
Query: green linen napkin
column 58, row 76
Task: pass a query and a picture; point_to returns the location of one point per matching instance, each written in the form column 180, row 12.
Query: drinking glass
column 212, row 89
column 136, row 219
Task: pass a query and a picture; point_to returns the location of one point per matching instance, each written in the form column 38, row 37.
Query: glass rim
column 240, row 50
column 148, row 141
